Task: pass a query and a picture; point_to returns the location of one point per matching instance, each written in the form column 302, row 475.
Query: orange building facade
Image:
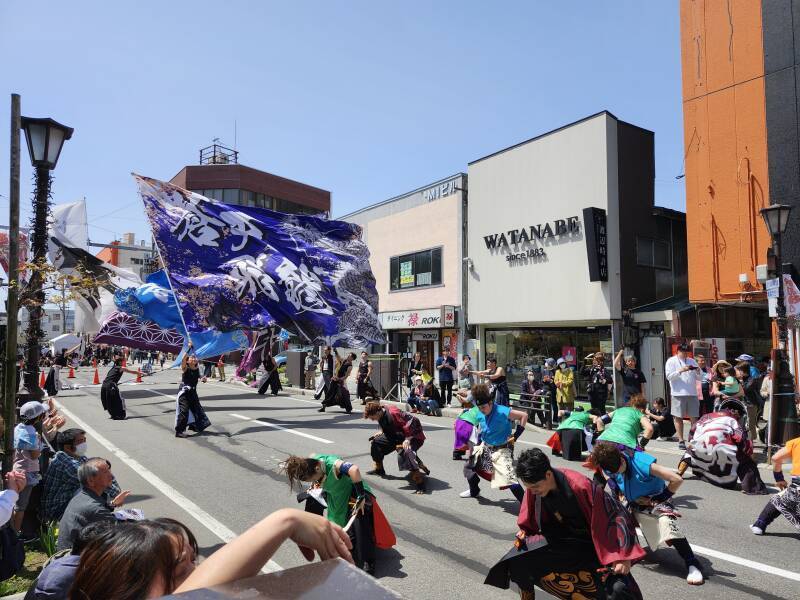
column 742, row 153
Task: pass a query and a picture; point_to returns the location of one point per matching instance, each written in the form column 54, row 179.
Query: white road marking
column 214, row 526
column 282, row 428
column 746, row 563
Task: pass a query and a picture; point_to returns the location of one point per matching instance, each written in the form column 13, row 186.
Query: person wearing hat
column 492, row 459
column 28, row 446
column 683, row 375
column 754, row 372
column 549, row 386
column 565, row 385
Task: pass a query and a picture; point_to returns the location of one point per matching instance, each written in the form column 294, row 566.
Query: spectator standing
column 465, row 377
column 28, row 446
column 527, row 391
column 61, row 479
column 446, row 365
column 327, row 372
column 751, row 387
column 633, row 379
column 363, row 382
column 564, row 380
column 415, row 369
column 549, row 386
column 598, row 383
column 221, row 367
column 310, row 371
column 90, row 504
column 754, row 372
column 683, row 375
column 706, row 401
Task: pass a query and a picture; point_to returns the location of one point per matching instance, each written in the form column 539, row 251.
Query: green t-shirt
column 338, row 488
column 576, row 420
column 471, row 416
column 624, row 428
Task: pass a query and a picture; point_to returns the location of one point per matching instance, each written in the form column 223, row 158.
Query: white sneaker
column 756, row 530
column 695, row 577
column 466, row 494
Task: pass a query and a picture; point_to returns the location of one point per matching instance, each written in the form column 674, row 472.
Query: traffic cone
column 96, row 377
column 94, row 363
column 41, row 380
column 71, row 373
column 138, row 376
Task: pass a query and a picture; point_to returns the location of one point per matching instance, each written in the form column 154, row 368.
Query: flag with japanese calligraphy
column 244, row 267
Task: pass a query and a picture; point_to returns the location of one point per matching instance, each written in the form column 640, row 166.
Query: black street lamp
column 783, row 423
column 45, row 138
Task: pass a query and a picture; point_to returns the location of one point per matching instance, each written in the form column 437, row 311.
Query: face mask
column 80, row 449
column 563, row 367
column 530, row 377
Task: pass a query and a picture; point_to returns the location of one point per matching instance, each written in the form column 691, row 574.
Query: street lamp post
column 45, row 138
column 783, row 423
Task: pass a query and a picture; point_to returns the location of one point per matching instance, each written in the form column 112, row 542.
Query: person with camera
column 683, row 375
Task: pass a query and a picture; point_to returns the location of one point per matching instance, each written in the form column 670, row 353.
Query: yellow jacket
column 565, row 394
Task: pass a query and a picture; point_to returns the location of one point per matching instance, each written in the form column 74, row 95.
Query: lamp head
column 45, row 137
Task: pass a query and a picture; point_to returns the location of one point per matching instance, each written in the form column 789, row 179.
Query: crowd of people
column 103, row 550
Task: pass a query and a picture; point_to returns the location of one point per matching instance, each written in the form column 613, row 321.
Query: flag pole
column 174, row 295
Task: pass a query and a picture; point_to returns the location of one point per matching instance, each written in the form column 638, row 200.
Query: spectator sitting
column 415, row 395
column 55, row 580
column 28, row 446
column 90, row 504
column 149, row 559
column 660, row 417
column 430, row 401
column 61, row 480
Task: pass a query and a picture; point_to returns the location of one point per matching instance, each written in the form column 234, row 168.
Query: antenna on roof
column 234, row 134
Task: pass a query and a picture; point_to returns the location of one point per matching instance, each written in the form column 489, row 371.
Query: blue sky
column 367, row 99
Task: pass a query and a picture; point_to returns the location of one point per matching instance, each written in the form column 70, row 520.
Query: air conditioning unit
column 762, row 273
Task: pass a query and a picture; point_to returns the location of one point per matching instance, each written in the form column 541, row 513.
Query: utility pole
column 12, row 304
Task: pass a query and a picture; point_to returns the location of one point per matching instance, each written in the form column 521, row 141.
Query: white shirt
column 8, row 498
column 682, row 384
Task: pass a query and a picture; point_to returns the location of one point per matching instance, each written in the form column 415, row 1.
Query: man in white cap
column 683, row 374
column 28, row 446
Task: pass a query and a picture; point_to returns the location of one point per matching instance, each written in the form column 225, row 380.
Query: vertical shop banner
column 791, row 297
column 570, row 355
column 594, row 220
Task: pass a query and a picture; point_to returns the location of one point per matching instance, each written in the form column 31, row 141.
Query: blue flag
column 242, row 267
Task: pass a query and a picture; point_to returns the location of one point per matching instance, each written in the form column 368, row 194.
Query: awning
column 661, row 310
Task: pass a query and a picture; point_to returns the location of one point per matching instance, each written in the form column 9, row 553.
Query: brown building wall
column 198, row 177
column 725, row 140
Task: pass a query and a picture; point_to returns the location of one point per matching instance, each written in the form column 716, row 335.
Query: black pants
column 446, row 388
column 598, row 401
column 382, row 446
column 365, row 388
column 337, row 394
column 572, row 443
column 362, row 533
column 768, row 515
column 187, row 402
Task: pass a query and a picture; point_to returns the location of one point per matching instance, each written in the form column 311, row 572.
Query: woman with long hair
column 271, row 379
column 349, row 500
column 337, row 392
column 188, row 411
column 110, row 397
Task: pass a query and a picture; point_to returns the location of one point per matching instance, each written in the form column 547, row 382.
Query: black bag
column 12, row 552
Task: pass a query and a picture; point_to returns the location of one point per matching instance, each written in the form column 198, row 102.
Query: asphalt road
column 226, row 479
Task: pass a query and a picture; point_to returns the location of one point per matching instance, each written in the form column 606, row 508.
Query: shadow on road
column 389, row 564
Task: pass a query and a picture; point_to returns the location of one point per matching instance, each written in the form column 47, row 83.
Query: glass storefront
column 518, row 350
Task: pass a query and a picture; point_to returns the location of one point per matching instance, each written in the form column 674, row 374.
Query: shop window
column 419, row 269
column 653, row 253
column 518, row 350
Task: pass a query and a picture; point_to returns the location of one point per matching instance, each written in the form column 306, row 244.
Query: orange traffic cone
column 94, row 363
column 41, row 380
column 138, row 376
column 96, row 377
column 71, row 373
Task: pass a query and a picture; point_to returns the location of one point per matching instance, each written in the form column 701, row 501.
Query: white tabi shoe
column 466, row 494
column 756, row 530
column 695, row 577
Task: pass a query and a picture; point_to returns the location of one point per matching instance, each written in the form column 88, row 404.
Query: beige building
column 415, row 243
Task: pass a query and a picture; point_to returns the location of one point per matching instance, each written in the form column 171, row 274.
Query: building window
column 653, row 253
column 419, row 269
column 56, row 328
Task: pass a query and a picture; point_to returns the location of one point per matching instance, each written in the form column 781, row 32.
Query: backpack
column 12, row 552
